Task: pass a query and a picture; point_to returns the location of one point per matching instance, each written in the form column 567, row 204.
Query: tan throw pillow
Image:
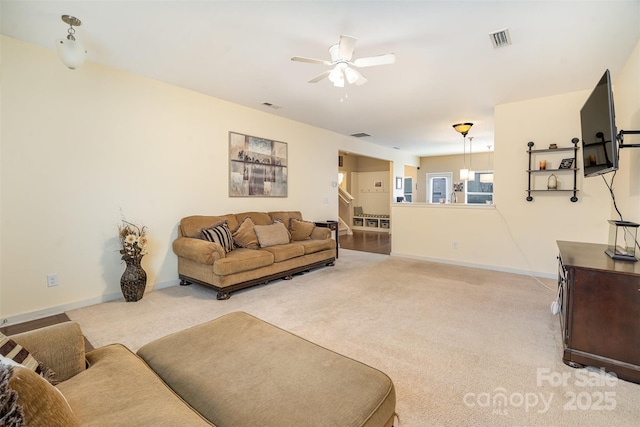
column 244, row 236
column 42, row 403
column 300, row 230
column 273, row 234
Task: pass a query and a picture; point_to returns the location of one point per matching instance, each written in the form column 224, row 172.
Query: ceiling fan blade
column 319, row 77
column 310, row 60
column 346, row 47
column 371, row 61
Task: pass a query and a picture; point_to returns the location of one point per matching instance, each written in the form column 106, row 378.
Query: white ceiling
column 446, row 69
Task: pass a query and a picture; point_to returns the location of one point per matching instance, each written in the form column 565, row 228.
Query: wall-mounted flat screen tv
column 597, row 121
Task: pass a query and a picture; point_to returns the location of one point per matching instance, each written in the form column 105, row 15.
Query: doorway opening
column 365, row 190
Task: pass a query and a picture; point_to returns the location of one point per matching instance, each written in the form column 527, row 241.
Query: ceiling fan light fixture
column 351, row 75
column 336, row 76
column 344, row 68
column 71, row 52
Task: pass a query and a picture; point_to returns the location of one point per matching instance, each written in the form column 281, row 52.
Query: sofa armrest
column 198, row 250
column 320, row 233
column 59, row 347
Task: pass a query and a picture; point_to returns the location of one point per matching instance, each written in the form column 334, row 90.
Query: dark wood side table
column 599, row 309
column 333, row 226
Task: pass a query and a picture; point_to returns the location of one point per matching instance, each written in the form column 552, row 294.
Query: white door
column 439, row 187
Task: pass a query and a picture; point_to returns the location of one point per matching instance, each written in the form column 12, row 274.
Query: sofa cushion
column 242, row 260
column 258, row 218
column 312, row 246
column 219, row 234
column 60, row 347
column 42, row 404
column 250, row 373
column 285, row 216
column 321, row 233
column 272, row 234
column 245, row 236
column 192, row 225
column 20, row 355
column 119, row 389
column 300, row 230
column 285, row 252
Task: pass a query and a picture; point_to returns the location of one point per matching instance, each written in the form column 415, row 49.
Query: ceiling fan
column 343, row 66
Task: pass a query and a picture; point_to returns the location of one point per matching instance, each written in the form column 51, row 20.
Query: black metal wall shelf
column 532, row 172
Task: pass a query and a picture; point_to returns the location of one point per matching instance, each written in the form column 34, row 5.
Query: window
column 480, row 190
column 438, row 187
column 408, row 189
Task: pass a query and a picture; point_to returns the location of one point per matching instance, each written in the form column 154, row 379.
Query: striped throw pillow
column 219, row 234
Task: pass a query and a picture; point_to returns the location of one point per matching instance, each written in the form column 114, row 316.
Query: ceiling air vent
column 500, row 38
column 270, row 105
column 360, row 135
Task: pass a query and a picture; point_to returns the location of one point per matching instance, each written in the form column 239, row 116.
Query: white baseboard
column 481, row 266
column 52, row 311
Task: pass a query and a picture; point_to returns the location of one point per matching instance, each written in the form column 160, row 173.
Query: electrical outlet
column 52, row 279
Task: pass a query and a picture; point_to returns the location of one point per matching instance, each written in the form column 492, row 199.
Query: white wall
column 372, row 199
column 627, row 105
column 517, row 235
column 78, row 148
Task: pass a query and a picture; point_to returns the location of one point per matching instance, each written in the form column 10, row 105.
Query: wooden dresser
column 599, row 309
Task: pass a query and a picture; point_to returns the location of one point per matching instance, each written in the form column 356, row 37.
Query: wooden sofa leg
column 289, row 277
column 331, row 264
column 184, row 283
column 223, row 295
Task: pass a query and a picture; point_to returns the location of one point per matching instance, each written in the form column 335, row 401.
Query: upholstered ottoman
column 238, row 371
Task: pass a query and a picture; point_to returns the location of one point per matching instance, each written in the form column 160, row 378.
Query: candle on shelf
column 543, row 165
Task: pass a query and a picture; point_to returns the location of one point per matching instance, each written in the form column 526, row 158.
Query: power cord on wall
column 555, row 304
column 524, row 257
column 613, row 196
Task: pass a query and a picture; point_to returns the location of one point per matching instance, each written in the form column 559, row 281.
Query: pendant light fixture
column 487, row 177
column 472, row 173
column 463, row 128
column 71, row 52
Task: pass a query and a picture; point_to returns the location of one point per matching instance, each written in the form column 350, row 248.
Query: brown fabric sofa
column 250, row 262
column 236, row 370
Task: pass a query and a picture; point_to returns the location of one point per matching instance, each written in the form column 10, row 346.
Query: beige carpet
column 464, row 347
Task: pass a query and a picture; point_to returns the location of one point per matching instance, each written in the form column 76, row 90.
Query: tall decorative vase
column 134, row 279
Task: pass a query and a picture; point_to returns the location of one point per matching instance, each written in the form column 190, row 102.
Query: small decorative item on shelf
column 543, row 165
column 134, row 246
column 566, row 163
column 552, row 182
column 553, row 146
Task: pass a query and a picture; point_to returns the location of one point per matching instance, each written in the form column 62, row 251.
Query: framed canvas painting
column 257, row 167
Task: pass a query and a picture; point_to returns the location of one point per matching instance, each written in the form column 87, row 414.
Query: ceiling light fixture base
column 71, row 20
